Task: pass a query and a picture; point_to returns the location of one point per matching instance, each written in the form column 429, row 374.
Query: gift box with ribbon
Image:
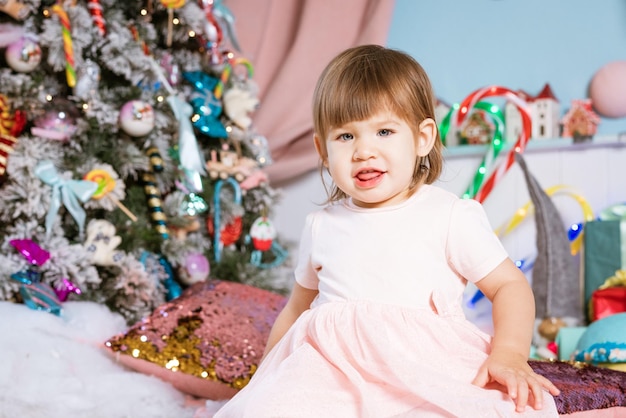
column 609, row 298
column 604, row 249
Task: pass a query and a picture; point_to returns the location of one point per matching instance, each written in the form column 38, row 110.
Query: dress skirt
column 366, row 359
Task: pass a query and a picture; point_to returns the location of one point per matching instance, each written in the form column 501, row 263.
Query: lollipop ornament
column 106, row 184
column 171, row 5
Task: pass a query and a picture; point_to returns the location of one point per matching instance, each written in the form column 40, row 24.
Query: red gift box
column 609, row 301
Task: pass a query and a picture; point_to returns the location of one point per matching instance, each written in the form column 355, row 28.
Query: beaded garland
column 216, row 331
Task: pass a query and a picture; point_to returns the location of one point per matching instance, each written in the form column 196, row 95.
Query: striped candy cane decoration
column 213, row 35
column 95, row 9
column 7, row 143
column 70, row 72
column 519, row 146
column 229, row 66
column 217, row 241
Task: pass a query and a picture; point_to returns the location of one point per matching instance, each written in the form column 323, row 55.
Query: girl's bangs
column 343, row 106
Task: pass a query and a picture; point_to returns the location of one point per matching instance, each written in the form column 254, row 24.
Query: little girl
column 374, row 325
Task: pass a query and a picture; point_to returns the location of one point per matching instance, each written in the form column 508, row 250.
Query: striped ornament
column 7, row 143
column 155, row 204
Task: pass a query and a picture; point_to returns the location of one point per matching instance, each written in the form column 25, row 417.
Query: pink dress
column 386, row 336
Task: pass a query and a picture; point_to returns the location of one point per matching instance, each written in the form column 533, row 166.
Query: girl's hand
column 511, row 373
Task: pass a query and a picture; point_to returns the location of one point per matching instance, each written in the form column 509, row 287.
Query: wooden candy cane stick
column 171, row 5
column 519, row 146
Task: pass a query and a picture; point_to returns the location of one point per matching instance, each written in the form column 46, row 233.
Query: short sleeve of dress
column 305, row 273
column 473, row 248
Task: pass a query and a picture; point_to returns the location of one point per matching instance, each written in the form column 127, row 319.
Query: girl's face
column 373, row 160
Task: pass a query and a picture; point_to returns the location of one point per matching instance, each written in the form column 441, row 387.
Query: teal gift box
column 604, row 248
column 602, row 253
column 567, row 340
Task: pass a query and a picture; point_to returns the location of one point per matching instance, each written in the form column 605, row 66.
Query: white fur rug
column 55, row 367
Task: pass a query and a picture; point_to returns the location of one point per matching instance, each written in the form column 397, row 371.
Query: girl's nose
column 364, row 150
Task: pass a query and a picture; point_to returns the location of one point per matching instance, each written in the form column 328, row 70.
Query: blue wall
column 519, row 44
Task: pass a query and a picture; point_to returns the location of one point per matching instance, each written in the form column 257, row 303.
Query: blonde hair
column 364, row 80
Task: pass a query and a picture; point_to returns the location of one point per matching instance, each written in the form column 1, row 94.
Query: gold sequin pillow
column 207, row 342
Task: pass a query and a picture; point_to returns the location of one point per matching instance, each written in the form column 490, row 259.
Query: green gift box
column 604, row 248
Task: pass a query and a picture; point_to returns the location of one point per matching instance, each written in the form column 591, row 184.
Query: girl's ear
column 426, row 137
column 320, row 151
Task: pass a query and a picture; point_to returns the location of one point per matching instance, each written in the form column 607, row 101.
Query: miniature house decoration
column 580, row 122
column 477, row 130
column 545, row 111
column 441, row 110
column 545, row 114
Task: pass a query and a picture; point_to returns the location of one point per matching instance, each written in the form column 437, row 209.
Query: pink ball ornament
column 23, row 55
column 607, row 90
column 197, row 268
column 58, row 121
column 137, row 118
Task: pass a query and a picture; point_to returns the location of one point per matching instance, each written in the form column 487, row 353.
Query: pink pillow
column 208, row 342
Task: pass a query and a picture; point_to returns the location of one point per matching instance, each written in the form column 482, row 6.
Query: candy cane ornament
column 66, row 32
column 7, row 144
column 520, row 145
column 213, row 34
column 229, row 66
column 11, row 125
column 218, row 243
column 95, row 9
column 493, row 150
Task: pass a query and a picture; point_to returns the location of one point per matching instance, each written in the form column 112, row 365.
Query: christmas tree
column 130, row 166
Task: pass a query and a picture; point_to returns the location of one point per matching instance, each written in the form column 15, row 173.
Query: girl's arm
column 299, row 301
column 513, row 319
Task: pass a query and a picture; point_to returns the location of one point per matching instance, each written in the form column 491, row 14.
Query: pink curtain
column 289, row 42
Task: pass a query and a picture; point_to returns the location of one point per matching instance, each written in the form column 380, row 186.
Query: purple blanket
column 583, row 387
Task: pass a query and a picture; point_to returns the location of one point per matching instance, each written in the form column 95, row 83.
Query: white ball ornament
column 23, row 55
column 136, row 118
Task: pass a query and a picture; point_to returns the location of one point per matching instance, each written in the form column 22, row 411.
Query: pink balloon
column 608, row 90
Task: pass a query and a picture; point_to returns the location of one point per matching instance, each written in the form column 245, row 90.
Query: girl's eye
column 384, row 132
column 345, row 137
